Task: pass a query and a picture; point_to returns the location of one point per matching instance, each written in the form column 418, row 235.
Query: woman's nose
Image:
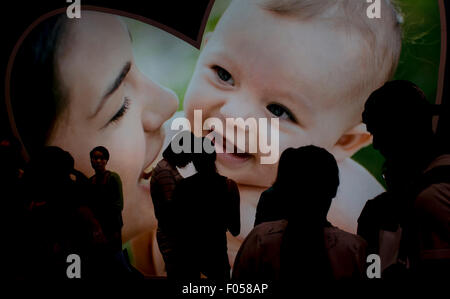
column 160, row 104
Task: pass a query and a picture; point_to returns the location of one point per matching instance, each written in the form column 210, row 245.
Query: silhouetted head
column 205, row 161
column 10, row 156
column 399, row 117
column 310, row 176
column 51, row 162
column 99, row 158
column 184, row 157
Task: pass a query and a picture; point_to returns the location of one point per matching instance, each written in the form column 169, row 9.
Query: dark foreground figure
column 164, row 179
column 56, row 220
column 409, row 224
column 107, row 200
column 301, row 246
column 206, row 207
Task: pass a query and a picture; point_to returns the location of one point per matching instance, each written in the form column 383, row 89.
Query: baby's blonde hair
column 383, row 36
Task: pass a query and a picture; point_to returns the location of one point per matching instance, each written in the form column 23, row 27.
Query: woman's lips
column 147, row 175
column 144, row 178
column 234, row 160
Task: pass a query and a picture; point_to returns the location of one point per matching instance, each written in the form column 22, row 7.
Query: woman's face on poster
column 111, row 103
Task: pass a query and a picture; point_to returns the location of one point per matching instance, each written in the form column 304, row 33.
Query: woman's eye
column 280, row 111
column 223, row 75
column 121, row 112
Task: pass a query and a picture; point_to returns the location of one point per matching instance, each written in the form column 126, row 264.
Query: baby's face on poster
column 259, row 65
column 111, row 103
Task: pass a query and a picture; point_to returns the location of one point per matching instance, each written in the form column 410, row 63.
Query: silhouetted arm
column 234, row 224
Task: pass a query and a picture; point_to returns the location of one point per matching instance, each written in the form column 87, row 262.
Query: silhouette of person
column 303, row 246
column 271, row 206
column 165, row 176
column 55, row 225
column 416, row 205
column 12, row 164
column 206, row 205
column 10, row 178
column 108, row 205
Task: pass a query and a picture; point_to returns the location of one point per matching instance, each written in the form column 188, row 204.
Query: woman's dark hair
column 308, row 178
column 101, row 149
column 205, row 162
column 36, row 96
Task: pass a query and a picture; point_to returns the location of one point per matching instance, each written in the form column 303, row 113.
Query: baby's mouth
column 221, row 143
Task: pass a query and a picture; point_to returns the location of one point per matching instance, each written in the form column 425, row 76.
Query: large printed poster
column 255, row 77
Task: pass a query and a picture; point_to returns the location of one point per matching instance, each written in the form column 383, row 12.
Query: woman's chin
column 141, row 218
column 144, row 188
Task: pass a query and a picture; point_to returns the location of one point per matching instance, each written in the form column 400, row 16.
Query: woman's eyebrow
column 113, row 87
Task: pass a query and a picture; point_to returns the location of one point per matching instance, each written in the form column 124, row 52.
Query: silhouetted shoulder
column 435, row 199
column 162, row 164
column 259, row 255
column 434, row 203
column 115, row 175
column 268, row 234
column 347, row 253
column 336, row 237
column 270, row 229
column 162, row 168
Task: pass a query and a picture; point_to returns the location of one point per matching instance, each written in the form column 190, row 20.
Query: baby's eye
column 280, row 111
column 223, row 74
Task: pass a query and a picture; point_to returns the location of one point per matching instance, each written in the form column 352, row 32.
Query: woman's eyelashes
column 223, row 75
column 119, row 114
column 281, row 112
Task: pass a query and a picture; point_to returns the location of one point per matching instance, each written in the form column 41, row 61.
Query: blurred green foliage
column 171, row 62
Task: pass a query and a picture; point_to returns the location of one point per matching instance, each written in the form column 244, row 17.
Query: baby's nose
column 238, row 108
